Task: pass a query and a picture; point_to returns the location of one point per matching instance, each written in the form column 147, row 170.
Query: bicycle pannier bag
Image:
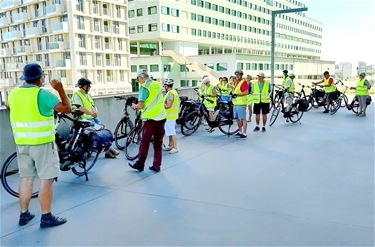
column 302, row 105
column 102, row 140
column 368, row 100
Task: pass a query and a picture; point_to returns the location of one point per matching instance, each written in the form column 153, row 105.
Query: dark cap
column 326, row 73
column 31, row 72
column 238, row 72
column 83, row 82
column 285, row 71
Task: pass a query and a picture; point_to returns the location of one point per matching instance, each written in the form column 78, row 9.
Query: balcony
column 14, row 66
column 32, row 32
column 40, row 13
column 4, row 22
column 8, row 4
column 20, row 17
column 60, row 27
column 63, row 63
column 56, row 46
column 5, row 52
column 55, row 9
column 13, row 35
column 29, row 1
column 23, row 50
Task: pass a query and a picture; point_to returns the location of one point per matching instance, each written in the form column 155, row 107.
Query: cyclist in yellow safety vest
column 83, row 98
column 172, row 106
column 32, row 120
column 151, row 104
column 224, row 89
column 209, row 98
column 362, row 93
column 329, row 88
column 261, row 99
column 289, row 89
column 240, row 93
column 202, row 87
column 250, row 97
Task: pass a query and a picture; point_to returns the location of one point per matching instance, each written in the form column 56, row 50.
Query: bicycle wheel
column 79, row 170
column 121, row 131
column 334, row 106
column 275, row 114
column 226, row 125
column 355, row 105
column 310, row 100
column 295, row 114
column 190, row 123
column 10, row 177
column 133, row 141
column 344, row 100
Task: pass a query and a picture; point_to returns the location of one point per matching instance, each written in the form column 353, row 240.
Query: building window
column 139, row 12
column 152, row 10
column 183, row 68
column 140, row 29
column 175, row 29
column 154, row 68
column 143, row 67
column 118, row 10
column 119, row 42
column 97, row 42
column 95, row 7
column 175, row 12
column 132, row 30
column 82, row 40
column 240, row 66
column 165, row 27
column 96, row 25
column 135, row 85
column 80, row 22
column 184, row 83
column 194, row 83
column 193, row 16
column 116, row 27
column 79, row 5
column 260, row 66
column 152, row 27
column 133, row 68
column 117, row 60
column 221, row 67
column 167, row 68
column 99, row 76
column 131, row 13
column 99, row 59
column 82, row 58
column 165, row 10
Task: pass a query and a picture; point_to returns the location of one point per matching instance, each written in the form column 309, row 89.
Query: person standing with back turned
column 151, row 104
column 32, row 119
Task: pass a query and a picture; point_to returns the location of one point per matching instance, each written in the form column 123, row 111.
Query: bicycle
column 302, row 94
column 133, row 140
column 293, row 115
column 124, row 126
column 224, row 119
column 186, row 106
column 276, row 96
column 353, row 105
column 77, row 152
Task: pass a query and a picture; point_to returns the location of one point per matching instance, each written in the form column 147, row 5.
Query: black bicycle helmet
column 83, row 82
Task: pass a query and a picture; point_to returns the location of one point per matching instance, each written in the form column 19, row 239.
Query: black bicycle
column 294, row 114
column 276, row 96
column 133, row 140
column 307, row 97
column 353, row 105
column 224, row 119
column 76, row 151
column 124, row 126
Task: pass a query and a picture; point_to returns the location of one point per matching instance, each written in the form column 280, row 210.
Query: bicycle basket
column 368, row 100
column 302, row 105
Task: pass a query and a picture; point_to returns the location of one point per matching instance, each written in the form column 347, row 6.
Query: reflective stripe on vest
column 28, row 125
column 225, row 90
column 88, row 103
column 327, row 88
column 361, row 89
column 210, row 91
column 154, row 105
column 172, row 113
column 261, row 97
column 292, row 87
column 240, row 100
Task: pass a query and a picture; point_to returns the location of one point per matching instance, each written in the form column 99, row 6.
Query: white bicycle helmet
column 168, row 81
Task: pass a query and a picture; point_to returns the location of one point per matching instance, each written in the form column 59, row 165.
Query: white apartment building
column 69, row 39
column 185, row 39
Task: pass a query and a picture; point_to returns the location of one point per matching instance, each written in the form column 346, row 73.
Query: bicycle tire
column 5, row 174
column 190, row 123
column 355, row 106
column 296, row 115
column 227, row 124
column 133, row 141
column 344, row 101
column 121, row 131
column 310, row 100
column 79, row 170
column 275, row 113
column 335, row 106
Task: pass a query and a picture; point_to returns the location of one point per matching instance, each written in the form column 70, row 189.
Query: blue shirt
column 261, row 87
column 143, row 93
column 46, row 101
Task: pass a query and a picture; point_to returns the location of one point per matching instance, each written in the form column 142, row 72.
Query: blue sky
column 348, row 29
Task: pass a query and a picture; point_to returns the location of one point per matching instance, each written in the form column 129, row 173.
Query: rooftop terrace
column 309, row 184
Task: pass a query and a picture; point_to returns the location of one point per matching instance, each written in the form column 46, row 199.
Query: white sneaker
column 166, row 148
column 173, row 151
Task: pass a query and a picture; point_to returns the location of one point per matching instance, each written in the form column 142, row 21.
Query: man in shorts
column 240, row 99
column 171, row 105
column 261, row 98
column 32, row 119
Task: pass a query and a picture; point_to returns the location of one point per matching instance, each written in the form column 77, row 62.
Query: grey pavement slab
column 308, row 184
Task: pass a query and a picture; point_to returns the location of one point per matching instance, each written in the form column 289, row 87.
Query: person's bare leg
column 46, row 195
column 174, row 141
column 239, row 123
column 264, row 120
column 250, row 107
column 257, row 119
column 244, row 126
column 25, row 192
column 170, row 144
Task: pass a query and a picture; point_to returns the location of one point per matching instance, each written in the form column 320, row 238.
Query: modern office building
column 185, row 39
column 69, row 39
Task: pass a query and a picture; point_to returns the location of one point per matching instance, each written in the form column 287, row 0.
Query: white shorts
column 170, row 128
